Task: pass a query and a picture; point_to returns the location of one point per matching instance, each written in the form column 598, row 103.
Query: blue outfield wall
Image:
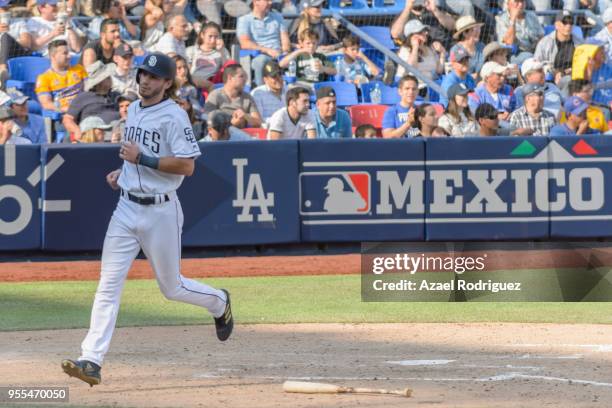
column 55, row 197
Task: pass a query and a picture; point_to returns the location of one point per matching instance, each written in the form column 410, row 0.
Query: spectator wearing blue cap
column 50, row 26
column 13, row 42
column 577, row 123
column 595, row 115
column 460, row 64
column 605, row 35
column 458, row 120
column 32, row 126
column 557, row 48
column 532, row 119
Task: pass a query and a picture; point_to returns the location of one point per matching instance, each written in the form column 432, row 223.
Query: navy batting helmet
column 159, row 65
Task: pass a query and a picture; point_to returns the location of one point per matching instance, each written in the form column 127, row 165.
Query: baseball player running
column 158, row 150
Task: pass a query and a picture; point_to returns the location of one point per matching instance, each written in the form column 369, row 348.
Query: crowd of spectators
column 499, row 72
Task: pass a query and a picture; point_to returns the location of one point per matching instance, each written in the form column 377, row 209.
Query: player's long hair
column 170, row 93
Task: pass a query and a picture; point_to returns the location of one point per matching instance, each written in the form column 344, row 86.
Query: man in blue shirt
column 32, row 126
column 577, row 123
column 262, row 30
column 460, row 62
column 398, row 120
column 331, row 122
column 493, row 91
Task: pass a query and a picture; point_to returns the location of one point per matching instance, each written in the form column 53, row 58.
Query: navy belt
column 146, row 200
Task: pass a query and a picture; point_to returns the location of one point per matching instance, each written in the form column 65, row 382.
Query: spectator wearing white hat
column 556, row 50
column 532, row 119
column 493, row 91
column 519, row 27
column 32, row 126
column 93, row 130
column 467, row 34
column 441, row 24
column 533, row 73
column 428, row 60
column 605, row 35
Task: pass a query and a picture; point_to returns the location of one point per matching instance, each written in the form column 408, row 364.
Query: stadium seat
column 367, row 115
column 380, row 34
column 346, row 94
column 576, row 31
column 34, row 107
column 75, row 59
column 23, row 72
column 389, row 93
column 389, row 6
column 341, row 5
column 259, row 133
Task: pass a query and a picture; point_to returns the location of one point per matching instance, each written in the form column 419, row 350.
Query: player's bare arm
column 175, row 165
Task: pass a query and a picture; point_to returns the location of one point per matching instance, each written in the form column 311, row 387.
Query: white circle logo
column 152, row 61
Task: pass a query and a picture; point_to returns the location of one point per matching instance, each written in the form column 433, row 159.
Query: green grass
column 324, row 299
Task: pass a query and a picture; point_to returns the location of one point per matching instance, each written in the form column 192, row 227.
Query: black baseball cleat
column 83, row 370
column 225, row 323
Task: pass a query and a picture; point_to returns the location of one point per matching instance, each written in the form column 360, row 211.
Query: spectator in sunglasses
column 311, row 19
column 557, row 48
column 486, row 116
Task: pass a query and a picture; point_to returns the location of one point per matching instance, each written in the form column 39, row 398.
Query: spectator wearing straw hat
column 32, row 126
column 97, row 100
column 460, row 65
column 605, row 35
column 500, row 53
column 493, row 91
column 532, row 119
column 519, row 27
column 557, row 48
column 533, row 72
column 467, row 34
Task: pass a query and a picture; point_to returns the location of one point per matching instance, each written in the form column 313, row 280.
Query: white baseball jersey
column 160, row 130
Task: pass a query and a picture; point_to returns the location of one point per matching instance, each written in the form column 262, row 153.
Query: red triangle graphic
column 582, row 148
column 361, row 181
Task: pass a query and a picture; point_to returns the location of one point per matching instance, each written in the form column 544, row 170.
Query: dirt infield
column 293, row 265
column 458, row 365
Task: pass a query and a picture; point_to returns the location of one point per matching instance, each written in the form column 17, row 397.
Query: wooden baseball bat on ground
column 320, row 388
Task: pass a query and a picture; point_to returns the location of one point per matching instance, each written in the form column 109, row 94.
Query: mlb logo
column 335, row 193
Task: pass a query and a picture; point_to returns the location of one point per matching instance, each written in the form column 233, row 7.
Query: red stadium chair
column 367, row 114
column 258, row 133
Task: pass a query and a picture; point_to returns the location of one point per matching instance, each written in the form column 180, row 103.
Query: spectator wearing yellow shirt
column 595, row 116
column 61, row 83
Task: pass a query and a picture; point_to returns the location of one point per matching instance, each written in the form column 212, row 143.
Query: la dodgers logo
column 253, row 196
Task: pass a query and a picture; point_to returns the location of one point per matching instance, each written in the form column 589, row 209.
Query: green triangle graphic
column 524, row 149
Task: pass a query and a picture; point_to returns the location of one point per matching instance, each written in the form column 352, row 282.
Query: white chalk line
column 496, row 378
column 600, row 348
